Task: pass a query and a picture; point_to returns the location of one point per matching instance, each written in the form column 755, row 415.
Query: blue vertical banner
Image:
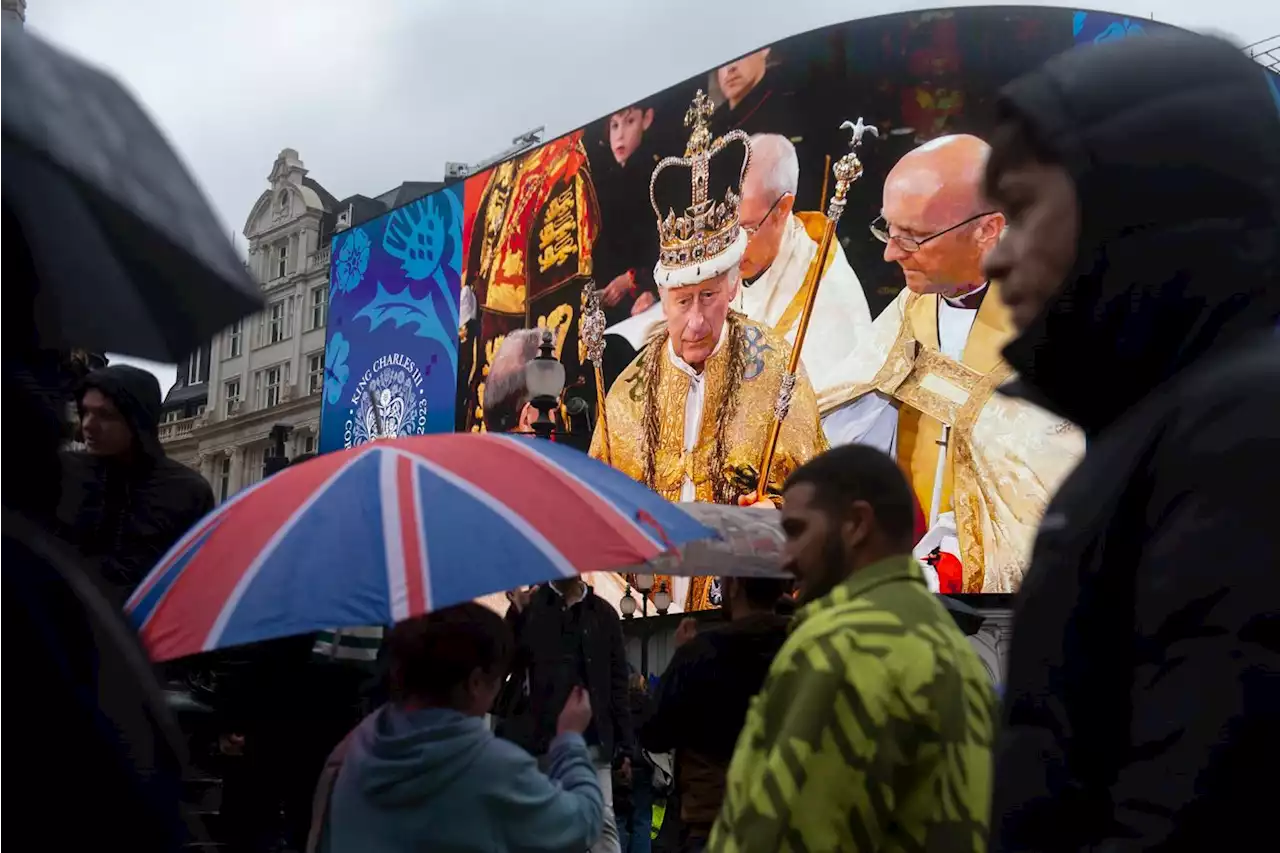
column 1097, row 27
column 391, row 354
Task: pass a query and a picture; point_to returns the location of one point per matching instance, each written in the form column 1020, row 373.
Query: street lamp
column 544, row 376
column 644, row 585
column 628, row 604
column 662, row 600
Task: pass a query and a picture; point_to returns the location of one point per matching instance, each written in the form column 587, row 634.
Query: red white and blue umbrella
column 394, row 529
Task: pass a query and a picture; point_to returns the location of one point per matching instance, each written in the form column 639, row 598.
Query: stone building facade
column 263, row 377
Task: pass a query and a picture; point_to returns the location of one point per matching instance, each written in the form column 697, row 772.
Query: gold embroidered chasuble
column 1005, row 457
column 646, row 416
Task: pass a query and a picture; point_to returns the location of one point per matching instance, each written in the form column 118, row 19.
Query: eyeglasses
column 880, row 230
column 752, row 229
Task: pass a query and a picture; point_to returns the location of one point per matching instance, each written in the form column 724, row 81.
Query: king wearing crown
column 691, row 414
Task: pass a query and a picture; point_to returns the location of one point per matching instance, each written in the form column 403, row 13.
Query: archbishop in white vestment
column 781, row 245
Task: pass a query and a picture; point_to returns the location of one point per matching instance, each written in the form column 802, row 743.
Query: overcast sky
column 375, row 92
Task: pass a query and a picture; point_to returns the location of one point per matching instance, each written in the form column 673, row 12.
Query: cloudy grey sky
column 375, row 92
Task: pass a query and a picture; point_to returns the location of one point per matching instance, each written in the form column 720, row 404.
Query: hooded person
column 102, row 737
column 124, row 503
column 1141, row 184
column 424, row 772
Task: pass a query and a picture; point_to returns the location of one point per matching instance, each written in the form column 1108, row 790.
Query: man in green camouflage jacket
column 873, row 730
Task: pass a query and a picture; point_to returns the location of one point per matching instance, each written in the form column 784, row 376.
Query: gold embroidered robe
column 762, row 362
column 1005, row 457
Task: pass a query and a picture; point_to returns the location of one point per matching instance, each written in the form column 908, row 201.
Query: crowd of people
column 1139, row 261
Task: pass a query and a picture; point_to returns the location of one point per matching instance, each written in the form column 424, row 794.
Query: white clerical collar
column 958, row 301
column 682, row 365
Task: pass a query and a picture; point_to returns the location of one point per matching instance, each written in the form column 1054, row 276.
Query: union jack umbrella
column 394, row 529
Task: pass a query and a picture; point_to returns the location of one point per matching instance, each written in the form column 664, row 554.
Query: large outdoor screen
column 425, row 297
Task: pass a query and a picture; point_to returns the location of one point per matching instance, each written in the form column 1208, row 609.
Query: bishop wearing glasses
column 923, row 381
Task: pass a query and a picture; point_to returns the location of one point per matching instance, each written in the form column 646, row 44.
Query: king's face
column 695, row 317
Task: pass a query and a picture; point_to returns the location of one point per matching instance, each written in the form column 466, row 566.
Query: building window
column 276, row 322
column 254, row 459
column 172, row 415
column 193, row 368
column 224, row 479
column 268, row 384
column 201, row 409
column 282, row 259
column 319, row 306
column 315, row 372
column 235, row 334
column 309, row 444
column 231, row 393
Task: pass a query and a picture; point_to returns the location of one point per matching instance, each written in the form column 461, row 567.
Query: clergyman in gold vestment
column 690, row 415
column 933, row 358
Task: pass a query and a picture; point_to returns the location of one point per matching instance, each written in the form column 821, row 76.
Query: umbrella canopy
column 393, row 529
column 125, row 251
column 748, row 543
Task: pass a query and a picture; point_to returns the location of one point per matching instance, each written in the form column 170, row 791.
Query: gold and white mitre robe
column 927, row 362
column 840, row 315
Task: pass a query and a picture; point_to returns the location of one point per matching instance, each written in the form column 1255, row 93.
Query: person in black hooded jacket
column 124, row 503
column 1141, row 182
column 97, row 752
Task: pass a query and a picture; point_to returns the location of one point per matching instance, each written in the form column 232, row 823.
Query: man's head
column 626, row 130
column 844, row 510
column 939, row 224
column 745, row 596
column 569, row 587
column 696, row 315
column 1042, row 214
column 506, row 395
column 1173, row 221
column 768, row 196
column 739, row 77
column 120, row 411
column 455, row 658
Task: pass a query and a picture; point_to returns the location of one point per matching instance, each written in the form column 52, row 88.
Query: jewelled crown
column 707, row 239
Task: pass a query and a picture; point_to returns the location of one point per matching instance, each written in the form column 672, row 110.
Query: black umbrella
column 126, row 253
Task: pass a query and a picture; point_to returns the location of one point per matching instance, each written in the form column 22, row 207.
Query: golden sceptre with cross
column 846, row 170
column 591, row 332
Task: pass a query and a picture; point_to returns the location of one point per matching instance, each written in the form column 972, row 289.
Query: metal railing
column 1266, row 52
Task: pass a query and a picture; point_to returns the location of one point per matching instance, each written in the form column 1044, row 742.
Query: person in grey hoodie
column 425, row 773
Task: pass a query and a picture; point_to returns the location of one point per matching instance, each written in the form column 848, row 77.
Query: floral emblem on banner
column 336, row 371
column 420, row 235
column 353, row 261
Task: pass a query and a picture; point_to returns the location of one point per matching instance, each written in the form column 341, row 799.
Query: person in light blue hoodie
column 425, row 773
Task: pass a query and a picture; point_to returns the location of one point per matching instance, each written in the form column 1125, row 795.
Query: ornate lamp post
column 628, row 604
column 662, row 600
column 644, row 586
column 544, row 376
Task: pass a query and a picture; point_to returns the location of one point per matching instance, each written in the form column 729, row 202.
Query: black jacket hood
column 1174, row 144
column 136, row 394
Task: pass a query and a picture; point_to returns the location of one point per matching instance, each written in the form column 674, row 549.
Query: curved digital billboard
column 699, row 250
